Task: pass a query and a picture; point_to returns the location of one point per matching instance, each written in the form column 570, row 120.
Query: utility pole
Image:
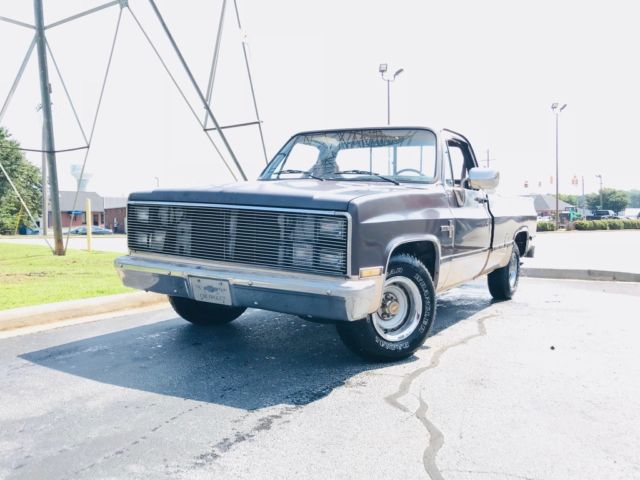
column 582, row 201
column 599, row 177
column 488, row 160
column 49, row 144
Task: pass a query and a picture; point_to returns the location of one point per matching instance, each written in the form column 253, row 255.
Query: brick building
column 115, row 214
column 78, row 214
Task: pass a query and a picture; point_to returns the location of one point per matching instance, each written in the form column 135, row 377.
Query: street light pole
column 382, row 69
column 388, row 102
column 599, row 177
column 556, row 108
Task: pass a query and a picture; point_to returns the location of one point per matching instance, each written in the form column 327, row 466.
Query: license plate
column 211, row 291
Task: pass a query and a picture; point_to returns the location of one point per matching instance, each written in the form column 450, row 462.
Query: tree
column 634, row 198
column 612, row 199
column 616, row 200
column 26, row 178
column 572, row 199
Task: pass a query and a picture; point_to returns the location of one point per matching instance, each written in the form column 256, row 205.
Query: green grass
column 32, row 275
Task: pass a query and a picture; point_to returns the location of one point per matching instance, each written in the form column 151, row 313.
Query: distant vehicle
column 603, row 215
column 28, row 231
column 95, row 230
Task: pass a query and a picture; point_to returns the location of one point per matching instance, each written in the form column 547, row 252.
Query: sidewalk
column 100, row 243
column 616, row 250
column 595, row 255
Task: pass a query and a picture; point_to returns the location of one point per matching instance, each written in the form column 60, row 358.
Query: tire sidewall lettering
column 415, row 276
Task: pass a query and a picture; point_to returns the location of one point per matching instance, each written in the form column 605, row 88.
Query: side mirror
column 484, row 178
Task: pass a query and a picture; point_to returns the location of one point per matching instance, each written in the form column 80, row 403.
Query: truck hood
column 303, row 193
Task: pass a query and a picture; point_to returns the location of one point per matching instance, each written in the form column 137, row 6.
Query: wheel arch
column 521, row 240
column 425, row 248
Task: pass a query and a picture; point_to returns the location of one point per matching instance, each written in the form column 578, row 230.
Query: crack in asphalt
column 436, row 437
column 490, row 472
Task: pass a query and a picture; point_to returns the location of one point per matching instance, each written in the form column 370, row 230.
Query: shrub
column 612, row 224
column 599, row 225
column 630, row 223
column 545, row 227
column 615, row 224
column 581, row 225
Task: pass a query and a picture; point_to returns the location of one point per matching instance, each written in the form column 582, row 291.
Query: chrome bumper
column 310, row 296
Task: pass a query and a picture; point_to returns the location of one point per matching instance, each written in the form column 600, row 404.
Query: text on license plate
column 209, row 290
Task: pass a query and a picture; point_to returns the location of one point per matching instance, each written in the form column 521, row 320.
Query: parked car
column 23, row 230
column 322, row 235
column 95, row 230
column 602, row 215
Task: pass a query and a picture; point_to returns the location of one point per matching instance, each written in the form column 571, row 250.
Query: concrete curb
column 575, row 274
column 59, row 311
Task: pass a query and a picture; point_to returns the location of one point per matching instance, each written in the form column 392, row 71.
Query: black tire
column 365, row 337
column 204, row 313
column 501, row 285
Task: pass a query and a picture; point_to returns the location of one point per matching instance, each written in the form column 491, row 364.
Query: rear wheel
column 204, row 313
column 503, row 282
column 401, row 325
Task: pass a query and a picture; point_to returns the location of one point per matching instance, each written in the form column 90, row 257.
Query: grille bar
column 288, row 240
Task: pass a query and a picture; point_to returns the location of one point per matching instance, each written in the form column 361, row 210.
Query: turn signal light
column 370, row 272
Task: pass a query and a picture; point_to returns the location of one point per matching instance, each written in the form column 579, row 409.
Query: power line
column 37, row 150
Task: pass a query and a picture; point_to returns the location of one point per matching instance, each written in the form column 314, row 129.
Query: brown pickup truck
column 360, row 227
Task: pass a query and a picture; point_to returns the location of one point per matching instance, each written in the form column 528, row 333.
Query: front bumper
column 310, row 296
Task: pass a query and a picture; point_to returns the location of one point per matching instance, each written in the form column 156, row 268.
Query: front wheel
column 401, row 325
column 503, row 282
column 204, row 313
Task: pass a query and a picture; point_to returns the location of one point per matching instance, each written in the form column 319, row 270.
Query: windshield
column 402, row 155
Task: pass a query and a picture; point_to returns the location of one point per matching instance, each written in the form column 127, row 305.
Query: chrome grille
column 289, row 240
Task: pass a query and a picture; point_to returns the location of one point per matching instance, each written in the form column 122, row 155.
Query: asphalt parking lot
column 543, row 387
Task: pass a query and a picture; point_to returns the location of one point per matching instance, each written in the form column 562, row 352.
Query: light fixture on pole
column 383, row 69
column 556, row 108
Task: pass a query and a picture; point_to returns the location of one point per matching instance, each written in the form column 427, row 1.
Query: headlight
column 142, row 214
column 302, row 254
column 163, row 215
column 303, row 230
column 331, row 228
column 157, row 240
column 330, row 258
column 142, row 239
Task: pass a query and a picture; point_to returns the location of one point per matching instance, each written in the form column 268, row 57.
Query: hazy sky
column 489, row 69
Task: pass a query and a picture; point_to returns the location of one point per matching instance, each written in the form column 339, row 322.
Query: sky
column 489, row 69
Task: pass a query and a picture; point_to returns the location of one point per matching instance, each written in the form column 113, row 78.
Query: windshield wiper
column 310, row 175
column 366, row 172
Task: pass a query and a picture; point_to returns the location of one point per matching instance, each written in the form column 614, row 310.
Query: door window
column 458, row 170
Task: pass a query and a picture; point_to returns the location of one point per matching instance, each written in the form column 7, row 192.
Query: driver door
column 471, row 232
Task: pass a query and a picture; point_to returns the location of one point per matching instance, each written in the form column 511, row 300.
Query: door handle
column 482, row 199
column 450, row 229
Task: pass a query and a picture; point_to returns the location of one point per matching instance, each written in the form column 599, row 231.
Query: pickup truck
column 603, row 215
column 357, row 227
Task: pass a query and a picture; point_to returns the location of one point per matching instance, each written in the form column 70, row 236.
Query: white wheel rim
column 400, row 310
